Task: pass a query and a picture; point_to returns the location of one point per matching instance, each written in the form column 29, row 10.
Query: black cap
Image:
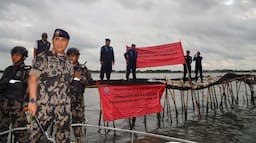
column 74, row 51
column 20, row 50
column 107, row 39
column 44, row 35
column 60, row 33
column 133, row 45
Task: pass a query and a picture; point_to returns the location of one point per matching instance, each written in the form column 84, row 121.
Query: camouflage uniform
column 13, row 91
column 55, row 73
column 77, row 98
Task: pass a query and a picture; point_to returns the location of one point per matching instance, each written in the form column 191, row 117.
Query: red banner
column 119, row 102
column 168, row 54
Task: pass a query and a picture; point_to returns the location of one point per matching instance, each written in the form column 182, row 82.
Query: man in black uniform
column 42, row 45
column 187, row 65
column 107, row 59
column 13, row 89
column 131, row 60
column 198, row 66
column 82, row 77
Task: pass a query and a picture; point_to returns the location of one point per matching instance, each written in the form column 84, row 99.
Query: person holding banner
column 187, row 65
column 131, row 60
column 198, row 66
column 107, row 59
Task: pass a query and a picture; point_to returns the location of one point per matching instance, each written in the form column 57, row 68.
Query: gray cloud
column 223, row 31
column 138, row 4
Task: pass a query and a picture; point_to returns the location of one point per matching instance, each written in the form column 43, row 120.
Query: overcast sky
column 223, row 31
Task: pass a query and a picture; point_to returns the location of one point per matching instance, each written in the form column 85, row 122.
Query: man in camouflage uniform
column 49, row 87
column 13, row 89
column 82, row 77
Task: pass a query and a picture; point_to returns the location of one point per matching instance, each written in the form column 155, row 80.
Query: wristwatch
column 32, row 100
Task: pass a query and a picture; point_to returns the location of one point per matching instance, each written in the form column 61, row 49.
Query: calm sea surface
column 236, row 126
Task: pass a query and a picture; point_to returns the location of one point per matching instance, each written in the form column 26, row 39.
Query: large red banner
column 119, row 102
column 161, row 55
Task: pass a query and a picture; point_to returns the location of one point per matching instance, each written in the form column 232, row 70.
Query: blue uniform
column 42, row 46
column 131, row 59
column 107, row 58
column 188, row 60
column 198, row 67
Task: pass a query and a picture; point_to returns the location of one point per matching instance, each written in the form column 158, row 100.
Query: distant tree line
column 180, row 71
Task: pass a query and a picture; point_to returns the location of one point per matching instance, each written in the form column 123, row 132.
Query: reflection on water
column 237, row 126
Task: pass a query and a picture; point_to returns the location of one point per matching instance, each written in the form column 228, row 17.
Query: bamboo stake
column 145, row 123
column 207, row 103
column 198, row 101
column 174, row 102
column 186, row 107
column 225, row 93
column 228, row 94
column 215, row 95
column 203, row 96
column 169, row 113
column 221, row 98
column 192, row 97
column 209, row 93
column 164, row 103
column 246, row 94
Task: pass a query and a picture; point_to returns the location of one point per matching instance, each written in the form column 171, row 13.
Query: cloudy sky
column 223, row 30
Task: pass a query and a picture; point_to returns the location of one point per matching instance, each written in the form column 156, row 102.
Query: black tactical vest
column 15, row 79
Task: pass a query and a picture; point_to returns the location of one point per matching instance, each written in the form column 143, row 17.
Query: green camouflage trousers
column 78, row 116
column 48, row 114
column 11, row 112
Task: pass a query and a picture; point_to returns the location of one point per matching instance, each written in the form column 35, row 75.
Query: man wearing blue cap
column 49, row 85
column 107, row 59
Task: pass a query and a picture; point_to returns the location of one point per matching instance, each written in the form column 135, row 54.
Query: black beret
column 44, row 34
column 60, row 33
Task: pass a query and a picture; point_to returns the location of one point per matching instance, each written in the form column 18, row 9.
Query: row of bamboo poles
column 213, row 99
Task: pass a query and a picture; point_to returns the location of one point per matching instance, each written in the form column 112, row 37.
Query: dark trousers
column 200, row 70
column 11, row 112
column 186, row 71
column 78, row 115
column 131, row 67
column 105, row 69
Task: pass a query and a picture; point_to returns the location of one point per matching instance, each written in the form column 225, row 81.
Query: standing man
column 187, row 65
column 49, row 90
column 42, row 45
column 13, row 86
column 107, row 59
column 198, row 66
column 82, row 77
column 131, row 60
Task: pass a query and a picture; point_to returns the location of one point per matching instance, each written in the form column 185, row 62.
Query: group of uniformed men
column 198, row 65
column 51, row 90
column 55, row 83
